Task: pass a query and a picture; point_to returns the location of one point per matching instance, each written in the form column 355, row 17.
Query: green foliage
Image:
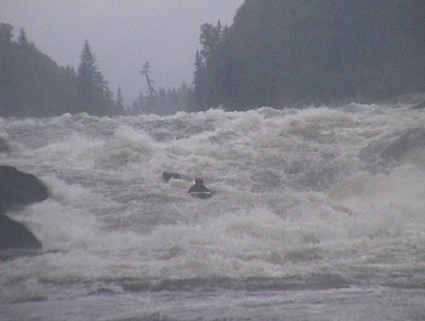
column 6, row 33
column 94, row 95
column 33, row 85
column 22, row 40
column 119, row 104
column 207, row 67
column 146, row 72
column 162, row 102
column 288, row 52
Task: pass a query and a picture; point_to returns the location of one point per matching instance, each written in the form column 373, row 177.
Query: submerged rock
column 4, row 147
column 169, row 175
column 18, row 188
column 14, row 235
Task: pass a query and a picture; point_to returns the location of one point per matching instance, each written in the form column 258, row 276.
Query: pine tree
column 150, row 92
column 6, row 33
column 209, row 39
column 146, row 72
column 22, row 39
column 199, row 83
column 95, row 96
column 8, row 90
column 207, row 66
column 119, row 103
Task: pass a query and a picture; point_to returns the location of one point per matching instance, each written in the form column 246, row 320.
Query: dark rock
column 169, row 175
column 14, row 235
column 18, row 188
column 4, row 147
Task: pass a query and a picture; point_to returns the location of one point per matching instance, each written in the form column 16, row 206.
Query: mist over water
column 318, row 214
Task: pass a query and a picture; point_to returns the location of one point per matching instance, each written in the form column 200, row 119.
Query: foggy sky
column 123, row 35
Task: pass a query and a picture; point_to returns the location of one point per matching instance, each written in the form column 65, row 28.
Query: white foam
column 293, row 191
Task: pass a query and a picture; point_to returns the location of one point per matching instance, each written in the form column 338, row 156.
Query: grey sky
column 123, row 34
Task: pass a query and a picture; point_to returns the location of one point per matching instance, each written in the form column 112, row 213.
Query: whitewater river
column 319, row 214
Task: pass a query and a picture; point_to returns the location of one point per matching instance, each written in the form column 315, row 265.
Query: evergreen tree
column 8, row 90
column 146, row 72
column 141, row 106
column 119, row 103
column 150, row 91
column 209, row 39
column 290, row 52
column 33, row 85
column 22, row 40
column 6, row 33
column 206, row 67
column 199, row 82
column 94, row 95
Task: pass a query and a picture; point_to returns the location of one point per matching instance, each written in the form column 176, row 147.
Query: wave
column 298, row 191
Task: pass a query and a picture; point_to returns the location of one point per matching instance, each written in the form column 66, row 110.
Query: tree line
column 32, row 84
column 278, row 53
column 284, row 53
column 162, row 101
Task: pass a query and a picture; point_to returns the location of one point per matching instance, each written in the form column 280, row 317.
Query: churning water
column 319, row 214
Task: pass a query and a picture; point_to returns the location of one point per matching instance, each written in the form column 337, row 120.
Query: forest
column 288, row 53
column 33, row 85
column 277, row 53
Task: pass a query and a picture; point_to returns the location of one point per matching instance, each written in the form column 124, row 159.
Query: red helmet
column 199, row 180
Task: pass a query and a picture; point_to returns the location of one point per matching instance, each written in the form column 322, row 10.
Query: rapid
column 319, row 214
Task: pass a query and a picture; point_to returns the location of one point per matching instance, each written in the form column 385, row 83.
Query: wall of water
column 319, row 191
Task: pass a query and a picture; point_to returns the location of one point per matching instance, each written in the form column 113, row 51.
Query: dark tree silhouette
column 284, row 53
column 94, row 95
